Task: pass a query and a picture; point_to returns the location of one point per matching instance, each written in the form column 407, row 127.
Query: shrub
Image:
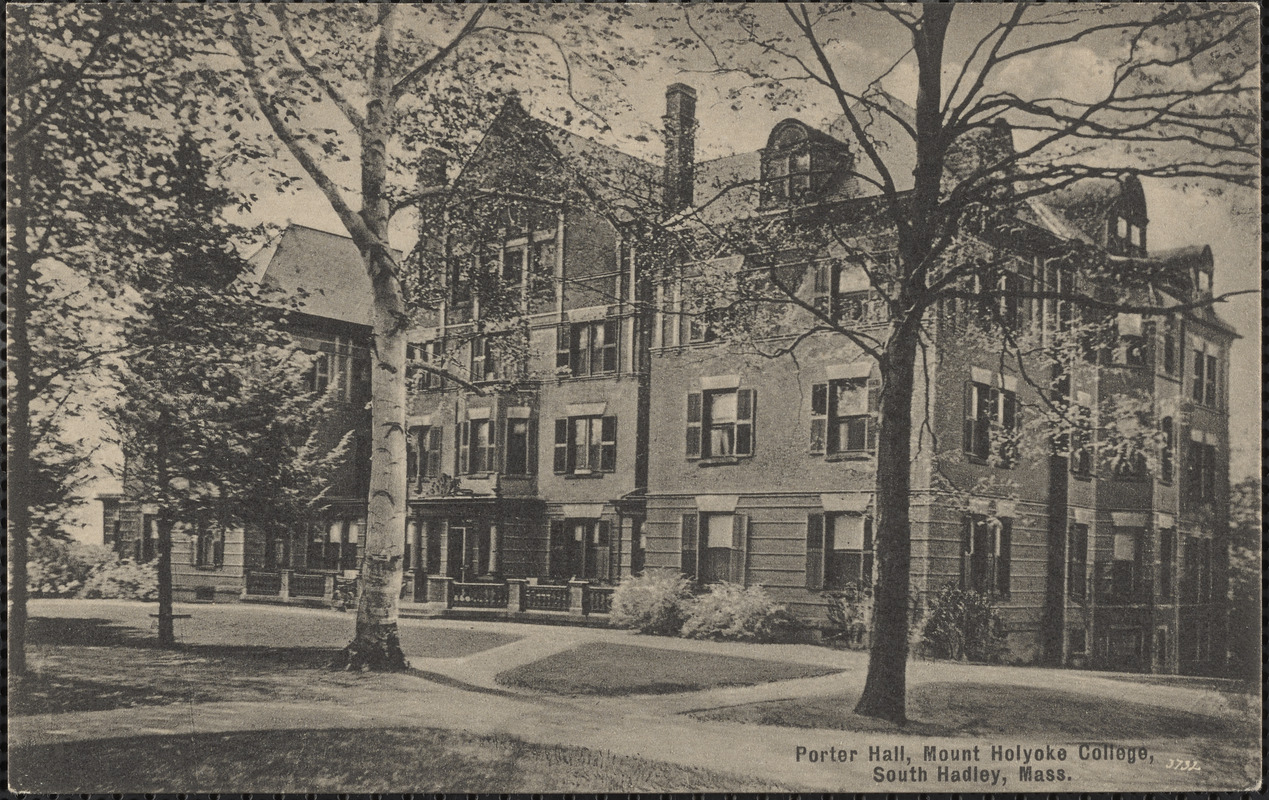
column 651, row 603
column 960, row 624
column 849, row 614
column 122, row 580
column 60, row 568
column 733, row 612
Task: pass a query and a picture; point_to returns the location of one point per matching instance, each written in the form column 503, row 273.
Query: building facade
column 595, row 425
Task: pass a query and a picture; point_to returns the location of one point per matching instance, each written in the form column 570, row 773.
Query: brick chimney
column 680, row 145
column 432, row 168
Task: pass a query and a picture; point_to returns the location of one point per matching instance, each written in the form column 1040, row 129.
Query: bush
column 651, row 603
column 733, row 612
column 962, row 625
column 60, row 568
column 122, row 580
column 849, row 615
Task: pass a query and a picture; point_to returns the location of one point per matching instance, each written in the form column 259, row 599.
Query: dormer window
column 798, row 163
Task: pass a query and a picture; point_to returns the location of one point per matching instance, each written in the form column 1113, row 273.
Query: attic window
column 788, row 166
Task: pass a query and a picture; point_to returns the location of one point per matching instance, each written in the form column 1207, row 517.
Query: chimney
column 680, row 145
column 432, row 168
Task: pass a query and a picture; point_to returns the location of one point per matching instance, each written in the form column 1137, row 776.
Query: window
column 1203, row 386
column 1201, row 481
column 789, row 174
column 584, row 445
column 844, row 416
column 1131, row 348
column 991, row 421
column 1167, row 562
column 1077, row 561
column 1081, row 450
column 1169, row 346
column 423, row 453
column 986, row 554
column 723, row 544
column 432, row 354
column 208, row 544
column 844, row 292
column 847, row 551
column 1167, row 449
column 580, row 549
column 720, row 423
column 475, row 447
column 542, row 274
column 335, row 546
column 1209, row 382
column 1130, row 465
column 522, row 448
column 587, row 348
column 1126, row 567
column 318, row 379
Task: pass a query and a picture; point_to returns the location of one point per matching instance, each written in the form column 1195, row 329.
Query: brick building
column 603, row 429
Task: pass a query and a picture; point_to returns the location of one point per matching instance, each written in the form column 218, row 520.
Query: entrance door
column 456, row 547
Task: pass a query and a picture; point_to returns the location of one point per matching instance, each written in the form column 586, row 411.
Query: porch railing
column 598, row 600
column 546, row 598
column 308, row 585
column 479, row 595
column 264, row 583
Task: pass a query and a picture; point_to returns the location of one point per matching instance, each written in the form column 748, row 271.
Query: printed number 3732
column 1184, row 765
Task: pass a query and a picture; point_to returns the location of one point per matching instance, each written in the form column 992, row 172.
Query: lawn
column 600, row 668
column 343, row 760
column 106, row 657
column 995, row 711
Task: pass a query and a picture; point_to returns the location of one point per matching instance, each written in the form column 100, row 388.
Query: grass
column 347, row 760
column 108, row 660
column 991, row 710
column 600, row 668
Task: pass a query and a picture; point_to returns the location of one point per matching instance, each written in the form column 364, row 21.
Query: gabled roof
column 323, row 270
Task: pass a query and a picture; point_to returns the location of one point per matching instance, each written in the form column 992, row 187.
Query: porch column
column 444, row 534
column 493, row 547
column 285, row 591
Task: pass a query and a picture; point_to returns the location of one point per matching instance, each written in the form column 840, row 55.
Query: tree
column 374, row 85
column 216, row 423
column 1179, row 106
column 1246, row 570
column 84, row 85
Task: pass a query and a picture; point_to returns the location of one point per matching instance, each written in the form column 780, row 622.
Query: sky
column 863, row 46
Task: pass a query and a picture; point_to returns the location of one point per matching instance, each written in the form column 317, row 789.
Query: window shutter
column 497, row 446
column 688, row 542
column 531, row 448
column 694, row 425
column 1003, row 558
column 218, row 551
column 815, row 551
column 971, row 417
column 608, row 445
column 434, row 447
column 412, row 455
column 822, row 286
column 464, row 436
column 745, row 412
column 561, row 446
column 603, row 550
column 874, row 413
column 739, row 549
column 610, row 351
column 819, row 417
column 967, row 551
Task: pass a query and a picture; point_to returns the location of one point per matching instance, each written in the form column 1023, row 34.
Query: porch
column 515, row 599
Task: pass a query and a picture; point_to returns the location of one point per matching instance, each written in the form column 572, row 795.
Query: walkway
column 462, row 694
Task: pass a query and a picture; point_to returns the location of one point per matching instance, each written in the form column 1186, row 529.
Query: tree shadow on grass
column 991, row 710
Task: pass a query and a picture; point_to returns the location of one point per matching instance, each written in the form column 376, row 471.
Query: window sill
column 719, row 461
column 852, row 455
column 582, row 476
column 209, row 567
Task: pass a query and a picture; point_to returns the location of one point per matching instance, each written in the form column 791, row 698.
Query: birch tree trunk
column 376, row 644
